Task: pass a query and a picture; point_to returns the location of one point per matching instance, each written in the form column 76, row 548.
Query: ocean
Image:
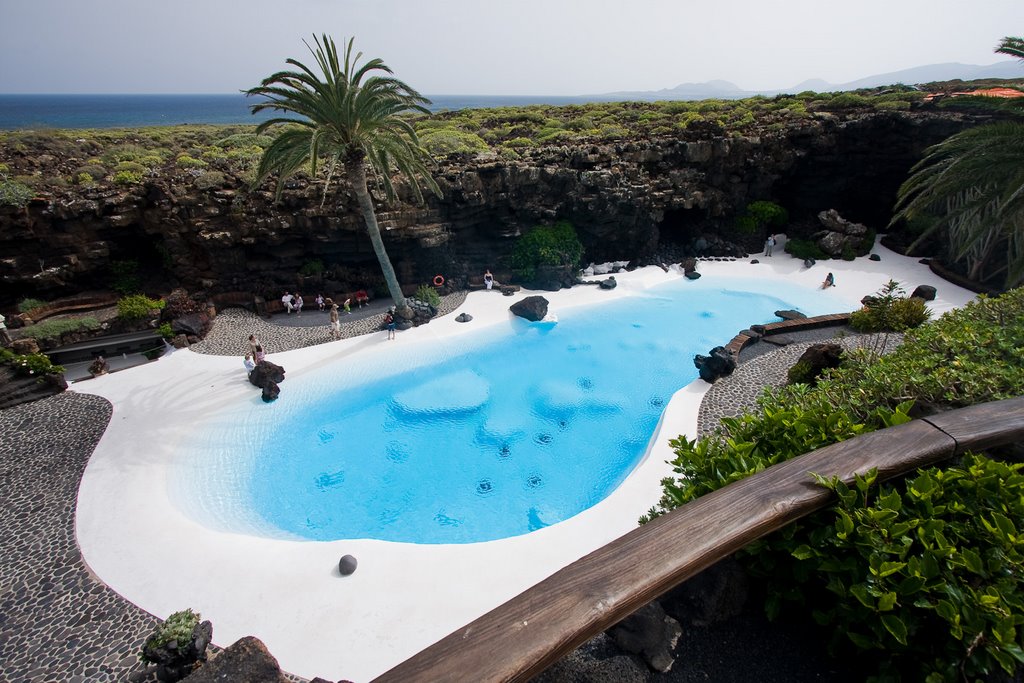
column 129, row 111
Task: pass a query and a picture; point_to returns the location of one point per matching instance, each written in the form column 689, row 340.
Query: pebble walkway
column 58, row 622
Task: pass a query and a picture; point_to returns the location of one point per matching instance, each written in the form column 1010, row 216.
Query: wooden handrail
column 521, row 638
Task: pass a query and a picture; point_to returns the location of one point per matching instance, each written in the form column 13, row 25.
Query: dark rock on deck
column 533, row 308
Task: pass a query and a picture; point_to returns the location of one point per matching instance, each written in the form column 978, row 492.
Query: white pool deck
column 403, row 597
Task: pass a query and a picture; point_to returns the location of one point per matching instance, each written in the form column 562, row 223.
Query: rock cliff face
column 627, row 200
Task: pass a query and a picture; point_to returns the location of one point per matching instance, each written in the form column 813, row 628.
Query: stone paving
column 57, row 621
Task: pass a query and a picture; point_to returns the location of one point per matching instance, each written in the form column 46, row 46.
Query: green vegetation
column 166, row 331
column 352, row 120
column 178, row 628
column 312, row 268
column 428, row 295
column 28, row 303
column 124, row 276
column 30, row 364
column 57, row 327
column 761, row 214
column 924, row 573
column 137, row 307
column 12, row 191
column 805, row 249
column 554, row 245
column 890, row 310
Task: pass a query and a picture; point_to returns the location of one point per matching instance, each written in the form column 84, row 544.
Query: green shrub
column 131, row 167
column 520, row 142
column 137, row 307
column 925, row 574
column 28, row 303
column 762, row 214
column 84, row 179
column 178, row 628
column 848, row 253
column 450, row 141
column 210, row 180
column 805, row 249
column 847, row 100
column 31, row 364
column 186, row 161
column 800, row 373
column 312, row 268
column 889, row 310
column 94, row 170
column 55, row 328
column 166, row 331
column 555, row 245
column 127, row 178
column 15, row 193
column 894, row 105
column 428, row 295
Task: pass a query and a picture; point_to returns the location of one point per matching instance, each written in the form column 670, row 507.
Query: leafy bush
column 312, row 268
column 137, row 307
column 800, row 373
column 805, row 249
column 31, row 364
column 57, row 327
column 428, row 295
column 84, row 179
column 450, row 141
column 762, row 214
column 178, row 628
column 186, row 161
column 924, row 573
column 889, row 310
column 131, row 167
column 15, row 193
column 127, row 178
column 210, row 180
column 28, row 303
column 166, row 331
column 555, row 245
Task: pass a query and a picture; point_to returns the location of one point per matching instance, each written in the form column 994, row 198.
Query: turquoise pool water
column 502, row 432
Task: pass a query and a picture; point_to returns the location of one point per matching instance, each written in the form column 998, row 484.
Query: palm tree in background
column 352, row 120
column 972, row 186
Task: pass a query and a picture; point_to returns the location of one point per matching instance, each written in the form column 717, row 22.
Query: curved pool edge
column 289, row 593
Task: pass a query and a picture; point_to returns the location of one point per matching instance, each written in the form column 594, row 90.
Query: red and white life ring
column 438, row 280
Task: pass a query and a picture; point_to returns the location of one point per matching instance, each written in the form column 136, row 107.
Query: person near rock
column 830, row 281
column 260, row 355
column 362, row 298
column 5, row 336
column 320, row 301
column 389, row 320
column 248, row 363
column 254, row 344
column 769, row 244
column 335, row 323
column 297, row 302
column 488, row 279
column 287, row 301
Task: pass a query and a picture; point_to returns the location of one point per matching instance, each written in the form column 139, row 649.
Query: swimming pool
column 509, row 429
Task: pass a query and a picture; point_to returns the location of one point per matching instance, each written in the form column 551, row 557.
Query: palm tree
column 972, row 185
column 352, row 119
column 1011, row 46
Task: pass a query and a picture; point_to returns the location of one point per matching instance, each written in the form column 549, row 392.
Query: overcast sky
column 490, row 47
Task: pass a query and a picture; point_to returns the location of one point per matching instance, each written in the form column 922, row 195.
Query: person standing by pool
column 488, row 279
column 389, row 321
column 254, row 344
column 260, row 355
column 335, row 323
column 769, row 244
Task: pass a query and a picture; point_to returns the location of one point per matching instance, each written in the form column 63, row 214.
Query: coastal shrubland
column 925, row 573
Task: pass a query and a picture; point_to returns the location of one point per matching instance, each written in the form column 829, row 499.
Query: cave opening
column 680, row 227
column 138, row 258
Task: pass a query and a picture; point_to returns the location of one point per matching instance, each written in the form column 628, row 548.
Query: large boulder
column 266, row 376
column 840, row 235
column 533, row 308
column 813, row 361
column 719, row 363
column 194, row 324
column 247, row 659
column 926, row 292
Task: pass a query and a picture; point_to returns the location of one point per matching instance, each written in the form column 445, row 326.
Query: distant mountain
column 920, row 74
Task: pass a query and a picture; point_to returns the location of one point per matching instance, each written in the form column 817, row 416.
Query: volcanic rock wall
column 626, row 200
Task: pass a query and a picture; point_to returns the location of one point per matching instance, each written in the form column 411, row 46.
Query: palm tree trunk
column 357, row 180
